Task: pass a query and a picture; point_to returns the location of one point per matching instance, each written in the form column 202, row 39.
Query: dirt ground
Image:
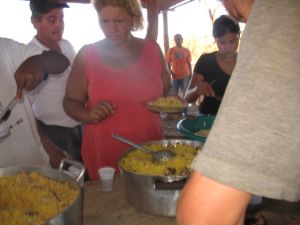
column 279, row 212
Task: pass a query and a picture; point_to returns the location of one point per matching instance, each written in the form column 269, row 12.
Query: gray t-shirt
column 254, row 144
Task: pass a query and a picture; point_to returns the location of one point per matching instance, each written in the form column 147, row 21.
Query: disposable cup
column 106, row 175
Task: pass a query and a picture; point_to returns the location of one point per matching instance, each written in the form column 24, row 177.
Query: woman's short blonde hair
column 133, row 8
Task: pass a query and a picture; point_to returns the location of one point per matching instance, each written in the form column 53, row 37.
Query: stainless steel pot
column 72, row 214
column 156, row 195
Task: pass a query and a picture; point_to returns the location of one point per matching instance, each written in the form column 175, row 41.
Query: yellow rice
column 139, row 162
column 202, row 132
column 168, row 102
column 32, row 199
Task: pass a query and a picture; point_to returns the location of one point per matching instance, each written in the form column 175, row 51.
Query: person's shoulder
column 171, row 50
column 33, row 40
column 34, row 45
column 90, row 47
column 66, row 43
column 13, row 52
column 208, row 55
column 7, row 43
column 10, row 48
column 147, row 42
column 206, row 58
column 186, row 49
column 4, row 41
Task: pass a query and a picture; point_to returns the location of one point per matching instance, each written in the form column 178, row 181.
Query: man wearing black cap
column 48, row 20
column 39, row 7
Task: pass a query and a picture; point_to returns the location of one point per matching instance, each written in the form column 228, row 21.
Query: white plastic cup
column 106, row 175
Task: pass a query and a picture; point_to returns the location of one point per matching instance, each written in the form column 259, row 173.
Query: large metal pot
column 72, row 214
column 156, row 195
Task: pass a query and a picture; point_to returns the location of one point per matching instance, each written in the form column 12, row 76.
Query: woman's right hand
column 205, row 88
column 101, row 111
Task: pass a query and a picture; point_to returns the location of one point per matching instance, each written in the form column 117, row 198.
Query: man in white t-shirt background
column 48, row 20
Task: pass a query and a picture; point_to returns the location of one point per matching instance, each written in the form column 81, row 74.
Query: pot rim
column 46, row 171
column 163, row 141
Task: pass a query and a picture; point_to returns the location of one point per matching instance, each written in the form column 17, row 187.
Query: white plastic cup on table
column 106, row 175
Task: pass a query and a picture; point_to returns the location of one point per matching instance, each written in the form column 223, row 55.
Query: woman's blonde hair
column 132, row 7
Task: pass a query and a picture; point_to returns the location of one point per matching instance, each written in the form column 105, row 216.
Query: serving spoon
column 158, row 156
column 7, row 111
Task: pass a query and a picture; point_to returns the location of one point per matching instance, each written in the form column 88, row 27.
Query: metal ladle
column 158, row 156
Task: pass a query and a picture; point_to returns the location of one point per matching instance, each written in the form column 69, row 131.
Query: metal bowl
column 73, row 213
column 155, row 195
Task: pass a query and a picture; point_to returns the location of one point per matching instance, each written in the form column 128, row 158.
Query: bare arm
column 197, row 88
column 192, row 94
column 31, row 72
column 165, row 75
column 170, row 68
column 190, row 68
column 168, row 61
column 206, row 202
column 74, row 102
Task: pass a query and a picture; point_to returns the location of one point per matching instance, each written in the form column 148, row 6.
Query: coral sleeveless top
column 127, row 88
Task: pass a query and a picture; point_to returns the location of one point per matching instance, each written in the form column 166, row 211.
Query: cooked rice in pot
column 139, row 162
column 33, row 199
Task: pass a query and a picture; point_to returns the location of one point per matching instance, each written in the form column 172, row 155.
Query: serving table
column 112, row 208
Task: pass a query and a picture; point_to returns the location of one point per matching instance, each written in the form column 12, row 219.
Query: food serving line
column 121, row 206
column 114, row 208
column 137, row 198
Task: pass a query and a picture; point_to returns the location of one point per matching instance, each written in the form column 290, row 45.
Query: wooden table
column 112, row 208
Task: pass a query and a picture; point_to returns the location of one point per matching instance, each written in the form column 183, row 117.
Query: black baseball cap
column 44, row 6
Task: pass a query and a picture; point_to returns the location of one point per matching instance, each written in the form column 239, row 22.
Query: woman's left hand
column 101, row 111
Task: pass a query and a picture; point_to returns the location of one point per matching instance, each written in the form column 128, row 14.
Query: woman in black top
column 212, row 71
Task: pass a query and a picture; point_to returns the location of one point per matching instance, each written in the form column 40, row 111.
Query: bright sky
column 81, row 22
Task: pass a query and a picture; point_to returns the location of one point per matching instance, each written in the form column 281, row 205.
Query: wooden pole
column 152, row 18
column 165, row 30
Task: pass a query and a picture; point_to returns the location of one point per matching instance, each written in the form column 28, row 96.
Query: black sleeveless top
column 208, row 66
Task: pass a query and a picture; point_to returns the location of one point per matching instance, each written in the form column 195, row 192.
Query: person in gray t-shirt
column 253, row 146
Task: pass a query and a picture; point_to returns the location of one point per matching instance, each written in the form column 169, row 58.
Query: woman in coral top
column 109, row 81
